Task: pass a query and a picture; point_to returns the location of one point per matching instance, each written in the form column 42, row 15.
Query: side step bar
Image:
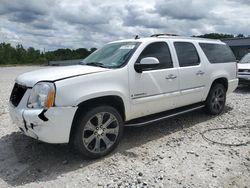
column 163, row 115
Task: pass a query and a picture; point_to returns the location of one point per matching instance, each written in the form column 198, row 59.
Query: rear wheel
column 216, row 99
column 98, row 131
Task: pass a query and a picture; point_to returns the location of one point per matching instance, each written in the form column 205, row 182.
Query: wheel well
column 114, row 101
column 222, row 81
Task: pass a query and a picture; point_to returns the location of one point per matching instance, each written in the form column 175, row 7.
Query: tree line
column 220, row 36
column 19, row 55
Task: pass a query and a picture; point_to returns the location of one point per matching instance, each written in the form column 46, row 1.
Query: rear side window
column 218, row 53
column 159, row 50
column 187, row 54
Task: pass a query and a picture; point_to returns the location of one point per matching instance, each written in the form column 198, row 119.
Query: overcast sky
column 53, row 24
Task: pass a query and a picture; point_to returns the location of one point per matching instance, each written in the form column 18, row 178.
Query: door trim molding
column 164, row 93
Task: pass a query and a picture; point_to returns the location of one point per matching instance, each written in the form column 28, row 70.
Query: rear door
column 192, row 73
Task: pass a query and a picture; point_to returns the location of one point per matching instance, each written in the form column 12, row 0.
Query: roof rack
column 163, row 34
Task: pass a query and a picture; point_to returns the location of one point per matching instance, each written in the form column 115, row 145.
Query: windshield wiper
column 97, row 64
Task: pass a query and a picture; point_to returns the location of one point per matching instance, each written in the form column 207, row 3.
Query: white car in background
column 125, row 83
column 244, row 70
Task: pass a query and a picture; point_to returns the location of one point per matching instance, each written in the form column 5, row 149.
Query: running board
column 163, row 115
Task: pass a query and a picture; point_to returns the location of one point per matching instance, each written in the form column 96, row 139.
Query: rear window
column 245, row 59
column 187, row 54
column 217, row 53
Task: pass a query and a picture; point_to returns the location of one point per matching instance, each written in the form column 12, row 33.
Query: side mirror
column 146, row 63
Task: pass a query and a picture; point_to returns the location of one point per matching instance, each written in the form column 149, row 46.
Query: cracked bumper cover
column 54, row 128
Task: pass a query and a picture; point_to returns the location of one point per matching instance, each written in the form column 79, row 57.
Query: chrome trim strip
column 183, row 90
column 165, row 117
column 191, row 88
column 155, row 94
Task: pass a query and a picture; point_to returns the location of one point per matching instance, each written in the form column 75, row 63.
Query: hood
column 243, row 65
column 29, row 79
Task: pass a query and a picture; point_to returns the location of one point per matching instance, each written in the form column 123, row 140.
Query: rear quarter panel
column 221, row 70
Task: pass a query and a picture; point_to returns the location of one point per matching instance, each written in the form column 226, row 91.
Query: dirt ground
column 171, row 153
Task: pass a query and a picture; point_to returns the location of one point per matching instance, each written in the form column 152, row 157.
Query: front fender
column 73, row 91
column 99, row 94
column 107, row 94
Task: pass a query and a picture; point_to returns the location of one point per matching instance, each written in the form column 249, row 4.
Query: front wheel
column 216, row 99
column 98, row 131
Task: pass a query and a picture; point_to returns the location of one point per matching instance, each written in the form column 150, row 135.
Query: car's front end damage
column 51, row 125
column 33, row 106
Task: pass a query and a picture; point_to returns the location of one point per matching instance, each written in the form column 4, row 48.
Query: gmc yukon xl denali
column 125, row 83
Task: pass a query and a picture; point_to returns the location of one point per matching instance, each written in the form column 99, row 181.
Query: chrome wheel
column 100, row 132
column 218, row 99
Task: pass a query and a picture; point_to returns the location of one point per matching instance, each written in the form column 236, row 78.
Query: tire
column 99, row 131
column 216, row 99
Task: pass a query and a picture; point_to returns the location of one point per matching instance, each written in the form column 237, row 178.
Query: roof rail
column 163, row 34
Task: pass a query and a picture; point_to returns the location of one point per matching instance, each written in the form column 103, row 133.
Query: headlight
column 42, row 95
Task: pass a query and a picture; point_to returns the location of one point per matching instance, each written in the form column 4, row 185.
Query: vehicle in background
column 244, row 70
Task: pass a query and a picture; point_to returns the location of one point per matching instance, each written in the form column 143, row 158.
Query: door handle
column 200, row 73
column 171, row 77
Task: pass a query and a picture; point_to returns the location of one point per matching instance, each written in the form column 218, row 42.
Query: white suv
column 125, row 83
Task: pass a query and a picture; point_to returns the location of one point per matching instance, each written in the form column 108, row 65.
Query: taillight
column 237, row 70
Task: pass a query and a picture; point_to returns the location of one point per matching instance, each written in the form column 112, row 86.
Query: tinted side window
column 187, row 54
column 159, row 50
column 218, row 53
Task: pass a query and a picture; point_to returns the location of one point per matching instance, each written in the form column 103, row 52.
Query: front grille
column 244, row 70
column 17, row 94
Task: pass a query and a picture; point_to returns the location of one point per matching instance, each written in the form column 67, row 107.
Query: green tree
column 240, row 36
column 20, row 55
column 93, row 49
column 216, row 36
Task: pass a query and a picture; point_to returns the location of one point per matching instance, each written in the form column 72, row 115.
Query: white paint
column 54, row 73
column 143, row 93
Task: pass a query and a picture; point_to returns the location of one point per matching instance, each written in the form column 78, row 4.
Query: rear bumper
column 232, row 85
column 51, row 126
column 244, row 79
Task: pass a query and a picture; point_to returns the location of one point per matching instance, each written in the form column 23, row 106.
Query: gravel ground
column 169, row 153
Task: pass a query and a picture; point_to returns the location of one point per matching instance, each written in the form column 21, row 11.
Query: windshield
column 112, row 55
column 245, row 59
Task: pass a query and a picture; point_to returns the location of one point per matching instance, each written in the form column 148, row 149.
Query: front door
column 154, row 90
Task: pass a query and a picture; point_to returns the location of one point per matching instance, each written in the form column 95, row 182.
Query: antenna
column 137, row 37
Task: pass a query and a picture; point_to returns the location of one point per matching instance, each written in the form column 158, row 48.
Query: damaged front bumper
column 51, row 126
